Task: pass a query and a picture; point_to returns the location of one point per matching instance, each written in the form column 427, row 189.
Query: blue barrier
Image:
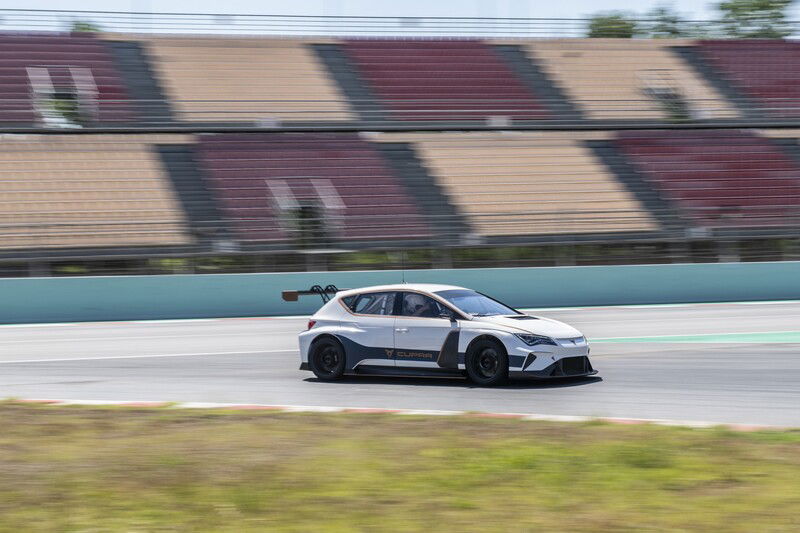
column 28, row 300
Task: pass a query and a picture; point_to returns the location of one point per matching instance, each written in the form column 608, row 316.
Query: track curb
column 402, row 412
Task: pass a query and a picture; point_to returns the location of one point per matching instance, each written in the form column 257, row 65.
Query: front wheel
column 487, row 363
column 327, row 360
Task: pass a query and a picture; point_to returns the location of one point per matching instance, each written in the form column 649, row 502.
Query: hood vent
column 522, row 317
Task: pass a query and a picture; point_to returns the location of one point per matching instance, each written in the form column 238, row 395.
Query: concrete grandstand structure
column 363, row 185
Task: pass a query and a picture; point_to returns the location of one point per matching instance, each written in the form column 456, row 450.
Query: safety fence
column 316, row 25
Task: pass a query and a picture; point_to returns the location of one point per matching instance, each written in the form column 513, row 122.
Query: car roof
column 422, row 287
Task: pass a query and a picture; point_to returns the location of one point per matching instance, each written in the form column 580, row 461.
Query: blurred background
column 148, row 143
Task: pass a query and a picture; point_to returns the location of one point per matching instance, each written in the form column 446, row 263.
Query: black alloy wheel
column 327, row 360
column 487, row 363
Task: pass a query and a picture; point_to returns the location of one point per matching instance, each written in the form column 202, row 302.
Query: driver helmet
column 413, row 303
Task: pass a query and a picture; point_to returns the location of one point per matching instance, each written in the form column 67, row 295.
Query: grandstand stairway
column 151, row 103
column 743, row 103
column 446, row 220
column 205, row 221
column 527, row 69
column 636, row 184
column 765, row 70
column 362, row 100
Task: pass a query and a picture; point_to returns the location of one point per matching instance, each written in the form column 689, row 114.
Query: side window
column 374, row 303
column 419, row 305
column 349, row 301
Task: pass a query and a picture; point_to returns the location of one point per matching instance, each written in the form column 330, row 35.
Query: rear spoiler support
column 324, row 293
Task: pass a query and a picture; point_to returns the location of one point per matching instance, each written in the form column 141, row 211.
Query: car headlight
column 533, row 340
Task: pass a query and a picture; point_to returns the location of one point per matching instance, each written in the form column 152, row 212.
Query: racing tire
column 327, row 359
column 487, row 363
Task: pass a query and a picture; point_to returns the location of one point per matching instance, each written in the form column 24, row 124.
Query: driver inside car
column 418, row 305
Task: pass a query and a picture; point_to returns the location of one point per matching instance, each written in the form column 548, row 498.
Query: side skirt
column 519, row 374
column 406, row 371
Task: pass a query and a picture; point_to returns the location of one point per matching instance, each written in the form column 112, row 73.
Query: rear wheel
column 487, row 363
column 327, row 359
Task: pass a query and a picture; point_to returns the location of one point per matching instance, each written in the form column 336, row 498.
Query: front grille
column 572, row 341
column 571, row 366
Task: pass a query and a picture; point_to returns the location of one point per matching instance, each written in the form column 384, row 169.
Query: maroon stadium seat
column 18, row 51
column 765, row 70
column 442, row 80
column 720, row 178
column 242, row 167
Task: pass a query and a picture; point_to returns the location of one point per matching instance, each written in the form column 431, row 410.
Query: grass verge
column 125, row 469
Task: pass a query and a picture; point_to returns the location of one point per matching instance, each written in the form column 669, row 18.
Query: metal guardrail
column 319, row 25
column 252, row 24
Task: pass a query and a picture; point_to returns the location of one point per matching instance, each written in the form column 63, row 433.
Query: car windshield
column 475, row 303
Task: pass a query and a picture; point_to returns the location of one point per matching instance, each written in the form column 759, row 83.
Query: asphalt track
column 721, row 363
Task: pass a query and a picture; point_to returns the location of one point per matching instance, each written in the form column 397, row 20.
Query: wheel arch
column 485, row 337
column 343, row 342
column 323, row 336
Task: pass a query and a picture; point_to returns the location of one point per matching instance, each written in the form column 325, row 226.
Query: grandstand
column 309, row 144
column 271, row 81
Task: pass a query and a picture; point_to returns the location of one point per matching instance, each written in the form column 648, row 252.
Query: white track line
column 305, row 317
column 265, row 333
column 717, row 334
column 164, row 321
column 67, row 359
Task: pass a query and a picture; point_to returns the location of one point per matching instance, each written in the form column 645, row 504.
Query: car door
column 420, row 332
column 369, row 334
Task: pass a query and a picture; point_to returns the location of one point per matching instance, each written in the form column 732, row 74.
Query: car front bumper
column 545, row 360
column 575, row 366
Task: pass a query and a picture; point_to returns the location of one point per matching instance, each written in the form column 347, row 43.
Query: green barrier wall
column 27, row 300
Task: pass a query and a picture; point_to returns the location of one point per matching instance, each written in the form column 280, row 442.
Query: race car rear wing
column 324, row 293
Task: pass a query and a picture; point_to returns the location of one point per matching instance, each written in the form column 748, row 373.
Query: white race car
column 423, row 329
